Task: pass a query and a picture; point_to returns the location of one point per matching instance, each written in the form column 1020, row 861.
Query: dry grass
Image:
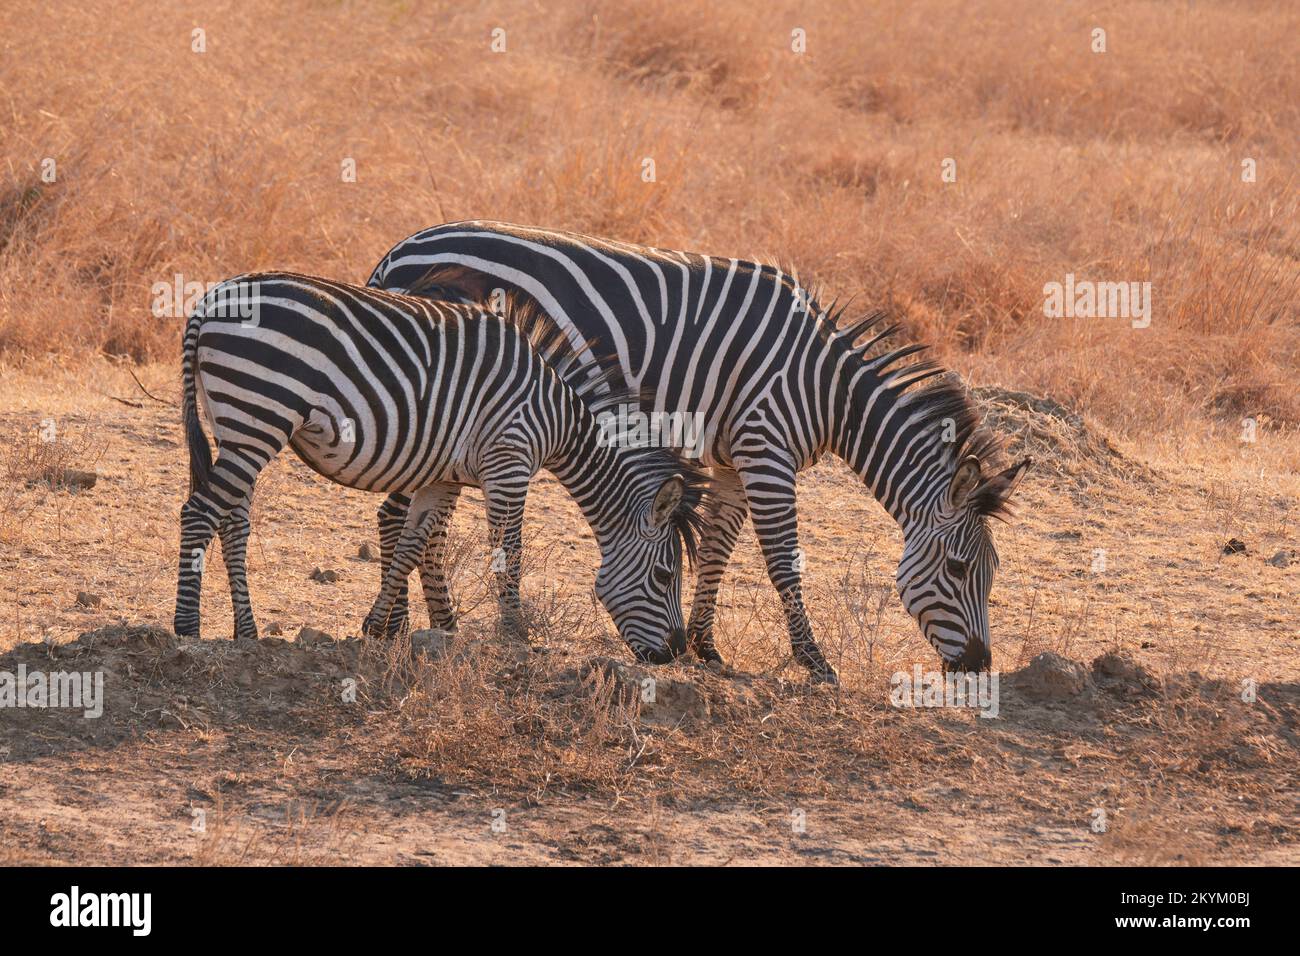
column 1122, row 165
column 36, row 464
column 481, row 733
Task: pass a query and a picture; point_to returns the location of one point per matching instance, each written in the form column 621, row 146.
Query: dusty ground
column 486, row 752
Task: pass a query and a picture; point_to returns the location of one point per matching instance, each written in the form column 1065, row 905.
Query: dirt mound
column 325, row 744
column 1050, row 676
column 660, row 700
column 150, row 679
column 1059, row 440
column 1118, row 672
column 131, row 680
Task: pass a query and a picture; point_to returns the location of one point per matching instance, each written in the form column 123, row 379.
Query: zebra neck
column 588, row 468
column 895, row 448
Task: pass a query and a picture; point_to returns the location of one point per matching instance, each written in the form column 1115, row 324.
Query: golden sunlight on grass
column 948, row 167
column 1125, row 165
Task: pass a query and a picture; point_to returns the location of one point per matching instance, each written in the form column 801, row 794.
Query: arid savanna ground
column 1149, row 670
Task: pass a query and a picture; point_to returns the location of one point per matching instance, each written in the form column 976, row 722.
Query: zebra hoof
column 708, row 654
column 386, row 625
column 512, row 627
column 382, row 632
column 819, row 670
column 825, row 675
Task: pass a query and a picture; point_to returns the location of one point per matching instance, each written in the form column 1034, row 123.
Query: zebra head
column 640, row 576
column 948, row 562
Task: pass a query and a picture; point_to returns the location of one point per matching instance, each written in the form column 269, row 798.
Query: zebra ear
column 990, row 498
column 964, row 481
column 667, row 498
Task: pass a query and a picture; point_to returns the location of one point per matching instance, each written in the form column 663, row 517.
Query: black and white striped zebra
column 779, row 384
column 395, row 394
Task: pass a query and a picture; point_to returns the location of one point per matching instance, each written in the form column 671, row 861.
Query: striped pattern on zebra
column 395, row 394
column 779, row 384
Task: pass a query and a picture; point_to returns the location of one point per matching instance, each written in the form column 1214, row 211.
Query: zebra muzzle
column 673, row 648
column 974, row 657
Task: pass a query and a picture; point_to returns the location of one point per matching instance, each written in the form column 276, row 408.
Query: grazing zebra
column 390, row 393
column 779, row 384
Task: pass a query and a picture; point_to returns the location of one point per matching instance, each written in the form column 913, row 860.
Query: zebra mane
column 688, row 520
column 597, row 381
column 942, row 402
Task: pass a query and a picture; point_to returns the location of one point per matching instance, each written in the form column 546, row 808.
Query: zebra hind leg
column 234, row 552
column 208, row 510
column 425, row 508
column 433, row 573
column 199, row 521
column 391, row 516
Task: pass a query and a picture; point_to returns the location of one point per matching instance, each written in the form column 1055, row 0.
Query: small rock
column 69, row 478
column 1280, row 560
column 1120, row 667
column 325, row 577
column 310, row 636
column 1234, row 546
column 366, row 552
column 86, row 599
column 664, row 701
column 274, row 629
column 433, row 642
column 1050, row 676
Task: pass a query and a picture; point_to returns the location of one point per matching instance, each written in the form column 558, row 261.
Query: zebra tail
column 200, row 452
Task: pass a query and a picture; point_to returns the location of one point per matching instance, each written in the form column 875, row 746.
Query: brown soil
column 1122, row 734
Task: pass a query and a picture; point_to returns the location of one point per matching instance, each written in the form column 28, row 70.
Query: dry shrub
column 35, row 464
column 48, row 458
column 718, row 54
column 510, row 707
column 1124, row 165
column 490, row 710
column 309, row 834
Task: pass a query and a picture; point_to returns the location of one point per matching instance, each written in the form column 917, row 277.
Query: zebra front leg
column 391, row 517
column 769, row 489
column 722, row 523
column 504, row 499
column 433, row 574
column 428, row 507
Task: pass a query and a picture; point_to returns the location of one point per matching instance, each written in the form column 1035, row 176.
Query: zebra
column 394, row 394
column 780, row 382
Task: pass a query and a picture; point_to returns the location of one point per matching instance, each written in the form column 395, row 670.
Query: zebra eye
column 956, row 569
column 663, row 576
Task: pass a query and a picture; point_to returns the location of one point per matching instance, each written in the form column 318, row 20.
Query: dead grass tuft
column 1125, row 165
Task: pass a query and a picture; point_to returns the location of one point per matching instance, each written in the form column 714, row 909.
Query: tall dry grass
column 1124, row 165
